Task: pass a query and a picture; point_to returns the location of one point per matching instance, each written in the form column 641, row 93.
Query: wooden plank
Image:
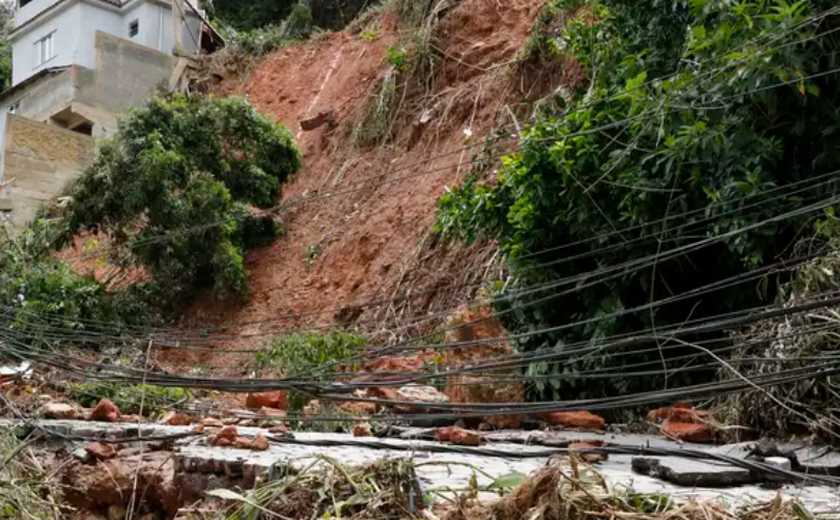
column 175, row 79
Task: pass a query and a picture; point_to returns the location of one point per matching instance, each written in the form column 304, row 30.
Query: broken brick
column 579, row 419
column 105, row 411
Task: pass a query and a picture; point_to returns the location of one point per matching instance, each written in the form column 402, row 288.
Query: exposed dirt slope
column 373, row 242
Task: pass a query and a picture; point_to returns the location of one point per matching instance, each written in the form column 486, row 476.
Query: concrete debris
column 249, row 456
column 693, row 473
column 427, row 395
column 82, row 454
column 779, row 462
column 61, row 411
column 210, row 422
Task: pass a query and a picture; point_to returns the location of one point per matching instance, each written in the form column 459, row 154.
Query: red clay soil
column 366, row 244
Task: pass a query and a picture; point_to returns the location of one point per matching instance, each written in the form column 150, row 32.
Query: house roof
column 9, row 92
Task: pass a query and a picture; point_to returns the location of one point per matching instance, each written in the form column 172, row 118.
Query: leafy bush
column 246, row 15
column 256, row 33
column 175, row 188
column 812, row 406
column 130, row 398
column 316, row 355
column 45, row 303
column 679, row 138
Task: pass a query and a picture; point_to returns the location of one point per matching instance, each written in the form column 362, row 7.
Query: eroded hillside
column 359, row 249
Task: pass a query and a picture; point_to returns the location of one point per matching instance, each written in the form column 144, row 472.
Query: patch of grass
column 128, row 398
column 26, row 490
column 377, row 123
column 386, row 488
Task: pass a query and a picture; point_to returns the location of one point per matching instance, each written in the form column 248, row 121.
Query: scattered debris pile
column 387, row 488
column 568, row 489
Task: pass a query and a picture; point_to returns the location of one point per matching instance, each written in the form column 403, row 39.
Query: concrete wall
column 93, row 19
column 40, row 100
column 127, row 74
column 161, row 34
column 41, row 159
column 66, row 24
column 30, row 10
column 76, row 22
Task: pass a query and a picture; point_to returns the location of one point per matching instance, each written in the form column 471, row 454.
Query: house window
column 45, row 49
column 133, row 28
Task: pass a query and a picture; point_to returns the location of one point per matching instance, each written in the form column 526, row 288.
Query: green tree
column 45, row 303
column 7, row 18
column 697, row 111
column 245, row 15
column 178, row 186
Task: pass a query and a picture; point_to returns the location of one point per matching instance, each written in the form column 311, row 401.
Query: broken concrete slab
column 693, row 473
column 818, row 461
column 230, row 466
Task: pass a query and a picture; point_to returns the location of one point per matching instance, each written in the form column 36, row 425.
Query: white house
column 77, row 64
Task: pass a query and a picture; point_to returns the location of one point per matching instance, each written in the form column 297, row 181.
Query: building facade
column 76, row 65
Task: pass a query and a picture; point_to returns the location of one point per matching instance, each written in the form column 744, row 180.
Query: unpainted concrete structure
column 73, row 105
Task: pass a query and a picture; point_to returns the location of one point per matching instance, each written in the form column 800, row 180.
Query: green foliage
column 397, row 57
column 246, row 15
column 175, row 187
column 256, row 42
column 6, row 25
column 696, row 110
column 28, row 489
column 130, row 398
column 45, row 303
column 317, row 355
column 296, row 18
column 377, row 123
column 798, row 339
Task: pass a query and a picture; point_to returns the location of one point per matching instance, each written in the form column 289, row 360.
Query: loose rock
column 105, row 411
column 358, row 408
column 362, row 430
column 174, row 418
column 272, row 412
column 591, row 457
column 688, row 432
column 227, row 436
column 258, row 443
column 581, row 419
column 61, row 411
column 100, row 451
column 211, row 422
column 275, row 399
column 459, row 436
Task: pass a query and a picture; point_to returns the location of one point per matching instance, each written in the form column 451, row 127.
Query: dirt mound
column 372, row 241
